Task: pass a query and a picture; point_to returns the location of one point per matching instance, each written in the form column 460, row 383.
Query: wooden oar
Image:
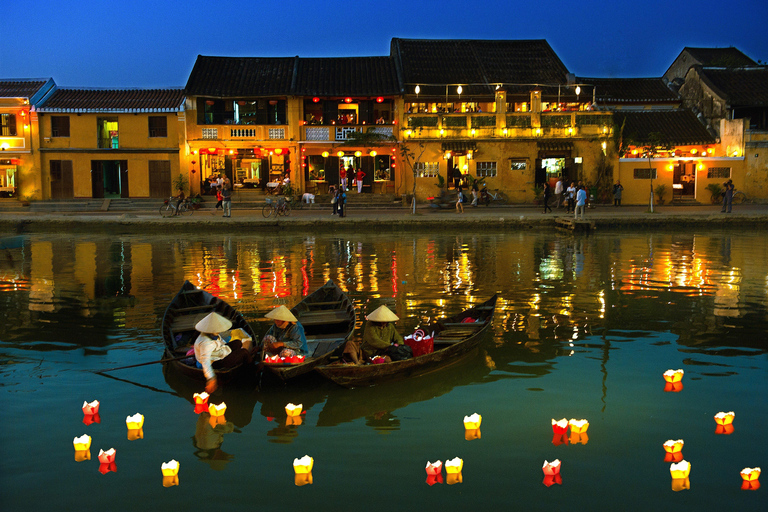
column 166, row 360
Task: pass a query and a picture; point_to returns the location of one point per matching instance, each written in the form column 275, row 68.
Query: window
column 262, row 111
column 518, row 165
column 107, row 133
column 426, row 169
column 719, row 172
column 59, row 126
column 8, row 125
column 158, row 126
column 644, row 174
column 486, row 169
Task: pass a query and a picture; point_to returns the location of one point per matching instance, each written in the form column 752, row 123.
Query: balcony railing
column 342, row 133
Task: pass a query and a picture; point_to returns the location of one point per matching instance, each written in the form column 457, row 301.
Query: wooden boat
column 188, row 307
column 328, row 318
column 455, row 336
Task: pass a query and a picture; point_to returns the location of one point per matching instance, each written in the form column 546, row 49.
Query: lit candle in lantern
column 106, row 457
column 724, row 418
column 201, row 398
column 454, row 465
column 559, row 427
column 680, row 469
column 673, row 375
column 749, row 478
column 434, row 468
column 578, row 426
column 293, row 410
column 217, row 410
column 134, row 422
column 472, row 422
column 170, row 468
column 82, row 443
column 303, row 465
column 551, row 468
column 91, row 408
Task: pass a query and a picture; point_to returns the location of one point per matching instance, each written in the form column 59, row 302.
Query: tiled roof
column 740, row 87
column 114, row 100
column 630, row 90
column 679, row 127
column 20, row 88
column 354, row 76
column 720, row 57
column 222, row 77
column 481, row 64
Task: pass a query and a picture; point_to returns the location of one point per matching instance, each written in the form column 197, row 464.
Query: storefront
column 323, row 168
column 8, row 173
column 245, row 167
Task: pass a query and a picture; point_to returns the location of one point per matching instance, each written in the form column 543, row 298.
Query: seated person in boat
column 212, row 352
column 286, row 336
column 379, row 334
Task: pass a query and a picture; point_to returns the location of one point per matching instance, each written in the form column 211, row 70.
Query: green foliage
column 715, row 189
column 287, row 190
column 180, row 182
column 519, row 121
column 422, row 122
column 440, row 180
column 483, row 121
column 660, row 190
column 455, row 121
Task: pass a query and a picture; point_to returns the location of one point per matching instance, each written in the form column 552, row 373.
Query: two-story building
column 110, row 143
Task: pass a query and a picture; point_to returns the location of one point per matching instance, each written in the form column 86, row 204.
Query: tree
column 657, row 142
column 411, row 159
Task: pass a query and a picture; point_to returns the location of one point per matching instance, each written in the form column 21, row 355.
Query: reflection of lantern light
column 724, row 418
column 91, row 408
column 105, row 468
column 135, row 433
column 558, row 439
column 559, row 427
column 578, row 426
column 434, row 479
column 300, row 479
column 134, row 422
column 473, row 421
column 303, row 465
column 681, row 484
column 454, row 465
column 471, row 433
column 294, row 420
column 170, row 468
column 434, row 468
column 91, row 418
column 681, row 469
column 293, row 410
column 201, row 398
column 454, row 478
column 551, row 468
column 550, row 480
column 217, row 420
column 82, row 443
column 724, row 429
column 673, row 387
column 217, row 410
column 81, row 455
column 105, row 457
column 673, row 375
column 170, row 481
column 578, row 438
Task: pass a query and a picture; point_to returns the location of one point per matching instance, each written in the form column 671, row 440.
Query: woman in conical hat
column 212, row 352
column 378, row 335
column 286, row 336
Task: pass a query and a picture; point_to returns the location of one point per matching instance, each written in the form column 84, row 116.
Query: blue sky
column 141, row 43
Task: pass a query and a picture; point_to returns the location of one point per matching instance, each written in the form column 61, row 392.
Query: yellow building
column 117, row 143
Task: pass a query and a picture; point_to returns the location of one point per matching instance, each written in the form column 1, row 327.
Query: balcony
column 340, row 133
column 240, row 132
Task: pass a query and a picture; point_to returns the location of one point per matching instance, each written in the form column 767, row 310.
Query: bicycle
column 738, row 197
column 276, row 208
column 496, row 196
column 169, row 207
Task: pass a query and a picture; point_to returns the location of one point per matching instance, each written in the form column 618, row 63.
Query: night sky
column 142, row 43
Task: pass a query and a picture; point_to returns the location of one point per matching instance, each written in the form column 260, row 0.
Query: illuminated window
column 644, row 174
column 486, row 169
column 518, row 165
column 719, row 172
column 426, row 169
column 8, row 125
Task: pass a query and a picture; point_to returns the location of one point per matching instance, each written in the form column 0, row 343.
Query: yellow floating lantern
column 91, row 408
column 81, row 455
column 680, row 469
column 454, row 465
column 134, row 422
column 673, row 375
column 300, row 479
column 170, row 468
column 82, row 443
column 672, row 446
column 201, row 398
column 170, row 481
column 135, row 433
column 107, row 457
column 303, row 465
column 681, row 484
column 454, row 478
column 217, row 410
column 724, row 418
column 472, row 422
column 750, row 474
column 559, row 427
column 578, row 426
column 471, row 433
column 293, row 410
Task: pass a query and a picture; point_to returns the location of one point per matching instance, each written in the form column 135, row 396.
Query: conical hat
column 281, row 313
column 382, row 314
column 214, row 322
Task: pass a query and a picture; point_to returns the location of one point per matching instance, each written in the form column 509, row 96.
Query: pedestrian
column 547, row 196
column 334, row 199
column 571, row 197
column 219, row 198
column 581, row 201
column 226, row 198
column 460, row 201
column 617, row 188
column 456, row 177
column 341, row 201
column 343, row 175
column 359, row 178
column 559, row 192
column 727, row 197
column 475, row 193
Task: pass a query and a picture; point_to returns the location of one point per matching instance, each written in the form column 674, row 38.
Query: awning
column 555, row 146
column 459, row 146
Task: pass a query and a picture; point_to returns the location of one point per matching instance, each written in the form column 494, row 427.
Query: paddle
column 166, row 360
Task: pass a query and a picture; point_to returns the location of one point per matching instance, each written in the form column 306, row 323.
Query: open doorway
column 109, row 179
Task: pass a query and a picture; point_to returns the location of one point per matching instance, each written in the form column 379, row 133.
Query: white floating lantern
column 170, row 468
column 91, row 408
column 454, row 465
column 82, row 443
column 135, row 422
column 434, row 468
column 107, row 457
column 680, row 469
column 673, row 376
column 551, row 468
column 724, row 418
column 472, row 422
column 303, row 465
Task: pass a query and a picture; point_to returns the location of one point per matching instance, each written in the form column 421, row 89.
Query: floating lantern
column 293, row 410
column 434, row 468
column 201, row 398
column 214, row 421
column 109, row 467
column 724, row 418
column 558, row 439
column 749, row 478
column 434, row 479
column 134, row 422
column 201, row 408
column 170, row 468
column 471, row 433
column 106, row 457
column 82, row 443
column 81, row 455
column 454, row 465
column 577, row 438
column 559, row 427
column 681, row 484
column 724, row 429
column 217, row 410
column 550, row 480
column 303, row 465
column 91, row 418
column 578, row 426
column 673, row 375
column 551, row 468
column 170, row 481
column 135, row 433
column 673, row 450
column 91, row 408
column 472, row 422
column 300, row 479
column 673, row 387
column 454, row 478
column 680, row 469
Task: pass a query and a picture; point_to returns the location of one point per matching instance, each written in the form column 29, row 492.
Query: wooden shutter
column 97, row 179
column 123, row 169
column 332, row 171
column 366, row 165
column 12, row 125
column 365, row 113
column 539, row 176
column 159, row 178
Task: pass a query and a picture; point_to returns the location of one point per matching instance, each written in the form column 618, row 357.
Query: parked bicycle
column 169, row 207
column 489, row 196
column 276, row 207
column 739, row 197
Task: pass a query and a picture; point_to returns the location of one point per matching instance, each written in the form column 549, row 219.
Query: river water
column 584, row 328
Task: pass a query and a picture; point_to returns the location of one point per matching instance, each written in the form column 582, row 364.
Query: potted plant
column 660, row 190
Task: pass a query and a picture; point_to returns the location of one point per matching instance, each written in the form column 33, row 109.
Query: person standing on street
column 727, row 197
column 359, row 177
column 617, row 189
column 226, row 198
column 581, row 201
column 559, row 192
column 341, row 201
column 547, row 196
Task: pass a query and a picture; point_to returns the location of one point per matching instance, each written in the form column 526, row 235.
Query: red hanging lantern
column 315, row 100
column 347, row 100
column 379, row 100
column 273, row 102
column 209, row 102
column 278, row 151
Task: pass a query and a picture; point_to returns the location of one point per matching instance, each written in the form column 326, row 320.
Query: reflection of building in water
column 41, row 277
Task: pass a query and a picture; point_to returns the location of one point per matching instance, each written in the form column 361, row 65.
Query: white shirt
column 208, row 350
column 559, row 187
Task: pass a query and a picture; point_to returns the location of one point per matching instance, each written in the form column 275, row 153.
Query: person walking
column 547, row 196
column 571, row 198
column 460, row 201
column 475, row 194
column 617, row 188
column 343, row 175
column 334, row 199
column 581, row 201
column 226, row 198
column 219, row 198
column 341, row 201
column 359, row 177
column 727, row 197
column 559, row 192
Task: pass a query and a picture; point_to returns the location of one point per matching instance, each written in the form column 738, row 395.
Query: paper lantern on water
column 82, row 443
column 673, row 375
column 454, row 465
column 170, row 481
column 300, row 479
column 724, row 429
column 135, row 433
column 201, row 408
column 91, row 408
column 81, row 455
column 749, row 478
column 434, row 468
column 559, row 427
column 89, row 419
column 303, row 465
column 109, row 467
column 551, row 468
column 134, row 422
column 454, row 478
column 472, row 422
column 578, row 426
column 724, row 418
column 680, row 469
column 105, row 457
column 672, row 446
column 293, row 410
column 471, row 433
column 681, row 484
column 217, row 410
column 170, row 468
column 293, row 421
column 201, row 398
